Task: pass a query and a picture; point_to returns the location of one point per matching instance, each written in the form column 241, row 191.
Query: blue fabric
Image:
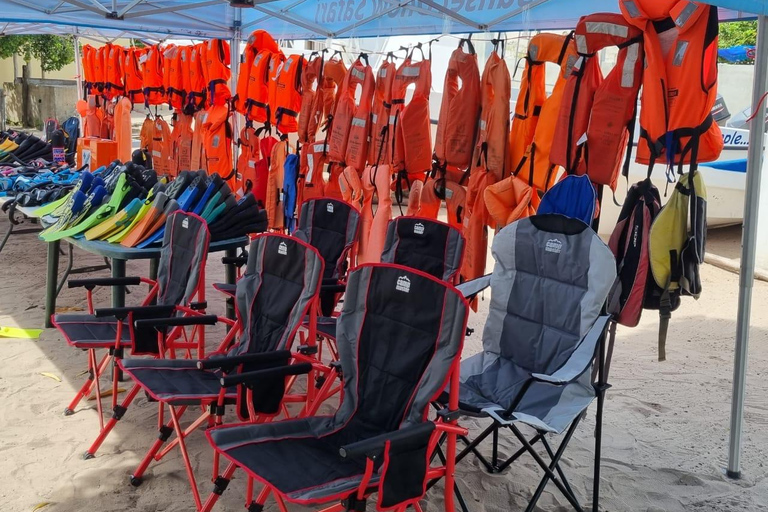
column 573, row 197
column 737, row 53
column 290, row 176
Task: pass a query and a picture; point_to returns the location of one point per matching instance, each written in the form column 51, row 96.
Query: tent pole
column 78, row 67
column 234, row 64
column 748, row 244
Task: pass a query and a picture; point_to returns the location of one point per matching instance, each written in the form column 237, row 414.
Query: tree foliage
column 738, row 33
column 53, row 52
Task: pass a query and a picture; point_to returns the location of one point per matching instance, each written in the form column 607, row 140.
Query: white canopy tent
column 326, row 19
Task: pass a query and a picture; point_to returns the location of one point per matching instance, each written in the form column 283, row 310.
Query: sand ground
column 665, row 435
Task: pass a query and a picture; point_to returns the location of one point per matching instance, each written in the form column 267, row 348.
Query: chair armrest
column 580, row 359
column 238, row 261
column 143, row 311
column 103, row 281
column 372, row 446
column 269, row 373
column 471, row 288
column 176, row 321
column 232, row 361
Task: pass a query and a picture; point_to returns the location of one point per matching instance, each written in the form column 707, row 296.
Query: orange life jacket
column 98, row 68
column 198, row 150
column 381, row 137
column 134, row 71
column 217, row 141
column 258, row 40
column 351, row 188
column 154, row 93
column 181, row 144
column 334, row 72
column 493, row 130
column 412, row 153
column 597, row 116
column 275, row 65
column 332, row 186
column 155, row 138
column 536, row 114
column 113, row 71
column 679, row 81
column 288, row 94
column 88, row 53
column 351, row 120
column 509, row 200
column 257, row 103
column 311, row 114
column 92, row 121
column 311, row 183
column 435, row 191
column 246, row 161
column 123, row 129
column 173, row 80
column 274, row 204
column 217, row 73
column 460, row 107
column 476, row 223
column 373, row 225
column 193, row 79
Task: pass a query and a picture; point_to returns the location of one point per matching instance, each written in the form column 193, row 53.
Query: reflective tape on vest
column 628, row 72
column 682, row 47
column 356, row 121
column 357, row 74
column 632, row 9
column 611, row 29
column 686, row 14
column 411, row 71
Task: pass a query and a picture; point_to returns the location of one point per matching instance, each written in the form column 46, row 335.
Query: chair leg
column 472, row 447
column 219, row 486
column 185, row 456
column 504, row 465
column 559, row 470
column 116, row 416
column 165, row 434
column 85, row 390
column 548, row 469
column 94, row 369
column 495, row 449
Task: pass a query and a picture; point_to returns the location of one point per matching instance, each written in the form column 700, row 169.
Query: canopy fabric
column 301, row 19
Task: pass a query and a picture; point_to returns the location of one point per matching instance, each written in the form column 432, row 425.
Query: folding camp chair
column 420, row 243
column 398, row 351
column 543, row 333
column 179, row 291
column 279, row 289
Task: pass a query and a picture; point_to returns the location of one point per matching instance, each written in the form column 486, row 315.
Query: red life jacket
column 597, row 115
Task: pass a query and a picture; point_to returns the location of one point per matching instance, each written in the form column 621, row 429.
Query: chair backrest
column 425, row 244
column 281, row 281
column 330, row 226
column 400, row 335
column 181, row 271
column 551, row 279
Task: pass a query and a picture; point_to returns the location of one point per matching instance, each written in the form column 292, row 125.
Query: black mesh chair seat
column 176, row 381
column 294, row 444
column 326, row 325
column 89, row 331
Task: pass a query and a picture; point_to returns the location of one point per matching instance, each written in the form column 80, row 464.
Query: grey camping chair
column 544, row 330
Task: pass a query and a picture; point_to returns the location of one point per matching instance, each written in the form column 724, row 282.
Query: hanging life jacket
column 217, row 142
column 597, row 116
column 351, row 121
column 290, row 178
column 629, row 244
column 134, row 73
column 573, row 196
column 314, row 158
column 373, row 224
column 509, row 200
column 676, row 250
column 311, row 114
column 679, row 81
column 411, row 131
column 493, row 132
column 99, row 69
column 274, row 199
column 265, row 65
column 173, row 81
column 155, row 137
column 536, row 114
column 193, row 78
column 154, row 93
column 258, row 40
column 114, row 84
column 248, row 143
column 460, row 106
column 288, row 94
column 181, row 143
column 89, row 80
column 334, row 72
column 216, row 71
column 380, row 148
